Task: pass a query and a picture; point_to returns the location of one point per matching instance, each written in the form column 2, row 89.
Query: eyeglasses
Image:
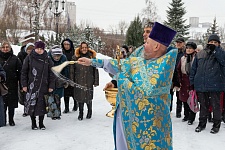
column 5, row 46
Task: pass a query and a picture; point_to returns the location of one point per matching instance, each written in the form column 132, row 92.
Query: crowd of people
column 29, row 77
column 147, row 81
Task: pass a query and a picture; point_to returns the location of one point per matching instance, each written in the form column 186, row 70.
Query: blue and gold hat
column 162, row 34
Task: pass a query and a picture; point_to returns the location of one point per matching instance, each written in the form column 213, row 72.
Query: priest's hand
column 84, row 61
column 108, row 85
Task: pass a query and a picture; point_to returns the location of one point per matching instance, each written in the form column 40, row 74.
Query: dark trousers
column 188, row 113
column 11, row 112
column 179, row 102
column 206, row 99
column 67, row 100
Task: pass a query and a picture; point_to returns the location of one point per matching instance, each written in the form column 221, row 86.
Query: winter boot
column 201, row 125
column 41, row 125
column 11, row 116
column 81, row 111
column 223, row 117
column 216, row 127
column 89, row 106
column 75, row 106
column 33, row 123
column 66, row 101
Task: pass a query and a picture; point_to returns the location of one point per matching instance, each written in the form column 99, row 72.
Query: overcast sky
column 103, row 13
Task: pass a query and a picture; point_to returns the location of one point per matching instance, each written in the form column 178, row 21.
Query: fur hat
column 214, row 37
column 28, row 44
column 39, row 44
column 191, row 44
column 162, row 34
column 56, row 50
column 180, row 40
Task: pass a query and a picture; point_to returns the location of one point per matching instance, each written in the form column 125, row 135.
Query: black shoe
column 190, row 122
column 42, row 127
column 11, row 123
column 66, row 110
column 54, row 118
column 178, row 115
column 184, row 119
column 199, row 129
column 24, row 115
column 34, row 127
column 214, row 130
column 75, row 108
column 89, row 115
column 80, row 117
column 58, row 118
column 223, row 117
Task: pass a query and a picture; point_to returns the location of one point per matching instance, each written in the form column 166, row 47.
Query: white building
column 71, row 12
column 197, row 29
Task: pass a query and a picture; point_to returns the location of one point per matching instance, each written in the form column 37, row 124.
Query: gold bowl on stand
column 110, row 95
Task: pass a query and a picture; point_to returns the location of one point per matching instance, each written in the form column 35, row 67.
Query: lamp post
column 36, row 5
column 56, row 13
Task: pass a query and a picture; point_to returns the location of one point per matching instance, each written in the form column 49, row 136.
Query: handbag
column 52, row 102
column 193, row 101
column 3, row 89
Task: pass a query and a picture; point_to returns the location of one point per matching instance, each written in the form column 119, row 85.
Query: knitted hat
column 126, row 48
column 56, row 50
column 162, row 34
column 39, row 44
column 214, row 37
column 28, row 44
column 191, row 44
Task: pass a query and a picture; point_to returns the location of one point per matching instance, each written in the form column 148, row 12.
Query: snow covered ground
column 96, row 133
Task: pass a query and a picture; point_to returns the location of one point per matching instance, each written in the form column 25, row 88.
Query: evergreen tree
column 134, row 33
column 212, row 30
column 175, row 19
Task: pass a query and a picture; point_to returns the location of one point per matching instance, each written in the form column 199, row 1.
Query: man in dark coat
column 180, row 45
column 68, row 50
column 12, row 66
column 37, row 79
column 208, row 79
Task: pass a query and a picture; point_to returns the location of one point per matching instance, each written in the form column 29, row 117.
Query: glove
column 211, row 47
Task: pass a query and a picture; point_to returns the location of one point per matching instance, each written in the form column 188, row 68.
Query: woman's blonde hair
column 5, row 43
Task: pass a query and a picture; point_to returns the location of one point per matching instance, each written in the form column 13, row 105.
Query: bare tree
column 122, row 27
column 150, row 11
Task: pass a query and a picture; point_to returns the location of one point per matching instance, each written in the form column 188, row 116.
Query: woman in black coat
column 37, row 79
column 68, row 50
column 86, row 76
column 2, row 114
column 12, row 66
column 24, row 51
